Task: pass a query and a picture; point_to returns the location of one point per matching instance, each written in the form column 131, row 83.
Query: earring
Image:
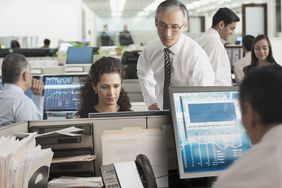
column 95, row 91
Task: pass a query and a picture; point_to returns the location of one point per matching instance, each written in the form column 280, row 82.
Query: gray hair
column 12, row 66
column 169, row 5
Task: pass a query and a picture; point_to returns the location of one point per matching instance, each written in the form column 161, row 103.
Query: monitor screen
column 208, row 132
column 62, row 92
column 80, row 55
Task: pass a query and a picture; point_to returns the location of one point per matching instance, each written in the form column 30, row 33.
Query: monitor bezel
column 65, row 75
column 129, row 113
column 177, row 90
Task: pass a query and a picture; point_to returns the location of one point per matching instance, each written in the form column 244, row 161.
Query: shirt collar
column 13, row 87
column 273, row 135
column 175, row 49
column 214, row 33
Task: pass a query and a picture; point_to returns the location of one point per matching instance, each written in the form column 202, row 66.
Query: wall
column 54, row 19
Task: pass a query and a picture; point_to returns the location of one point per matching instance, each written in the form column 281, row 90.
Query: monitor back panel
column 80, row 55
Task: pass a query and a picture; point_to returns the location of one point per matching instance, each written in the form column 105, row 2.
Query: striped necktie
column 167, row 73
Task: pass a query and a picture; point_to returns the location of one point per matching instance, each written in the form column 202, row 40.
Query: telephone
column 132, row 174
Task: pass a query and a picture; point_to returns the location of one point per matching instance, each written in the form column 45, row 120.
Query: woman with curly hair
column 102, row 91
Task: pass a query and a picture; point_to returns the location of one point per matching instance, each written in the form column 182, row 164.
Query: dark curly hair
column 89, row 98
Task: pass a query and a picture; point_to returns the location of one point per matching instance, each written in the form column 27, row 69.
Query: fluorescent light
column 117, row 7
column 150, row 8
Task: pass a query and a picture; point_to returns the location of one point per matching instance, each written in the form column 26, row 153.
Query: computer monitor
column 80, row 55
column 4, row 52
column 62, row 92
column 208, row 132
column 34, row 52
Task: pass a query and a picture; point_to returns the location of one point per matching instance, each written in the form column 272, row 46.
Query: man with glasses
column 172, row 59
column 15, row 105
column 223, row 25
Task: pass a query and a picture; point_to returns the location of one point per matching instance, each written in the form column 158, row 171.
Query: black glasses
column 174, row 28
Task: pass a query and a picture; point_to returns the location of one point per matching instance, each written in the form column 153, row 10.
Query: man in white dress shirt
column 260, row 101
column 15, row 106
column 223, row 25
column 247, row 42
column 190, row 64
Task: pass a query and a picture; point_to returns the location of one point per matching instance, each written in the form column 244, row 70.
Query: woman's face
column 108, row 89
column 261, row 49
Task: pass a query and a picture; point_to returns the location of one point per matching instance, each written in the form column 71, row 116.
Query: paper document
column 67, row 131
column 74, row 159
column 22, row 163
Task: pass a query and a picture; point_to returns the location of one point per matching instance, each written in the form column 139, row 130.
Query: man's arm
column 37, row 91
column 147, row 82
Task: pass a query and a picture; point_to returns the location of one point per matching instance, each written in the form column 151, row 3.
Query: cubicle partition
column 14, row 129
column 112, row 121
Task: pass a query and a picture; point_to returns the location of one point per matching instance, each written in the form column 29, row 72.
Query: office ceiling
column 103, row 9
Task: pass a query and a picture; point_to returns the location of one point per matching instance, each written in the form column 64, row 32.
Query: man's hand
column 154, row 107
column 37, row 87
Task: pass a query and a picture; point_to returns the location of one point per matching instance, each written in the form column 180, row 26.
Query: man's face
column 227, row 30
column 170, row 25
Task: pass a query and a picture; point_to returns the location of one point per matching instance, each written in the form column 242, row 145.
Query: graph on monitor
column 62, row 92
column 208, row 131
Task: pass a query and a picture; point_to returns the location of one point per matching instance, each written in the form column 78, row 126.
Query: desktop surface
column 208, row 133
column 62, row 92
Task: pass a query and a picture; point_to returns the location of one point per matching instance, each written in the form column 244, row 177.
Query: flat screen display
column 208, row 132
column 80, row 55
column 62, row 92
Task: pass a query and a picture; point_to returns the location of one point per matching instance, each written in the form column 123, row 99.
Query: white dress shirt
column 15, row 106
column 190, row 67
column 211, row 43
column 260, row 167
column 239, row 66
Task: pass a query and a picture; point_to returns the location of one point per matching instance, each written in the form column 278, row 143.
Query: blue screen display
column 205, row 112
column 208, row 132
column 79, row 55
column 62, row 92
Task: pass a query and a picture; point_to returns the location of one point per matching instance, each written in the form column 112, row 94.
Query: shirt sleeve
column 146, row 79
column 203, row 74
column 221, row 65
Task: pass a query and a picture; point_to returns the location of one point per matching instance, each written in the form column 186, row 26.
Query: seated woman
column 102, row 91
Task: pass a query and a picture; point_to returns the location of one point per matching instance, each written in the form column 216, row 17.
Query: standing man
column 172, row 59
column 125, row 37
column 223, row 25
column 15, row 105
column 247, row 43
column 105, row 37
column 260, row 101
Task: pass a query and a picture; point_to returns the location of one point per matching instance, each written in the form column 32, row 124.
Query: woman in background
column 102, row 91
column 261, row 53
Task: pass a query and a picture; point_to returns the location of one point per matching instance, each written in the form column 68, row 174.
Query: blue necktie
column 167, row 73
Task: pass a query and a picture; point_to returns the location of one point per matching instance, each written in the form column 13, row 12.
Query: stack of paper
column 64, row 182
column 22, row 163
